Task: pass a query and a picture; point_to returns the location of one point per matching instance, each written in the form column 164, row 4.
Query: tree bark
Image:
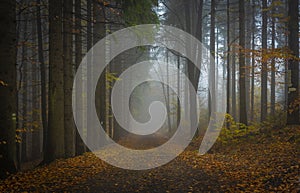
column 212, row 68
column 24, row 83
column 242, row 69
column 253, row 62
column 35, row 150
column 80, row 146
column 228, row 59
column 43, row 75
column 273, row 70
column 293, row 64
column 55, row 147
column 233, row 79
column 69, row 124
column 8, row 99
column 264, row 67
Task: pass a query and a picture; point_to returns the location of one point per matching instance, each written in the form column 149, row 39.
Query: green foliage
column 139, row 12
column 272, row 123
column 234, row 131
column 237, row 131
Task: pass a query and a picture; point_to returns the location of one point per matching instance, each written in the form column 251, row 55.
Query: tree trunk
column 80, row 146
column 253, row 62
column 242, row 69
column 293, row 64
column 102, row 94
column 273, row 70
column 190, row 71
column 35, row 150
column 264, row 67
column 228, row 60
column 69, row 124
column 247, row 58
column 179, row 92
column 233, row 80
column 24, row 83
column 89, row 38
column 55, row 147
column 212, row 68
column 43, row 75
column 8, row 99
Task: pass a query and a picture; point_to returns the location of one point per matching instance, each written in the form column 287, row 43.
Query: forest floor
column 253, row 163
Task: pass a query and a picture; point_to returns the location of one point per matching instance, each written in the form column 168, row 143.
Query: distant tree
column 8, row 99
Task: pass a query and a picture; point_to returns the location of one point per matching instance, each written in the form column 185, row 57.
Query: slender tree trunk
column 36, row 153
column 18, row 121
column 242, row 69
column 80, row 146
column 8, row 98
column 212, row 68
column 233, row 72
column 253, row 62
column 247, row 58
column 42, row 74
column 69, row 124
column 199, row 37
column 89, row 38
column 102, row 93
column 167, row 96
column 286, row 68
column 293, row 64
column 228, row 59
column 264, row 67
column 55, row 147
column 178, row 91
column 273, row 70
column 190, row 72
column 24, row 82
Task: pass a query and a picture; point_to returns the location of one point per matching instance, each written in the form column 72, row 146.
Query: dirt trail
column 256, row 163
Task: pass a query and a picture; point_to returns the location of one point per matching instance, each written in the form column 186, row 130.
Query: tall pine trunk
column 80, row 146
column 42, row 74
column 228, row 58
column 273, row 70
column 55, row 146
column 8, row 98
column 264, row 67
column 293, row 64
column 69, row 124
column 24, row 83
column 242, row 66
column 252, row 62
column 212, row 72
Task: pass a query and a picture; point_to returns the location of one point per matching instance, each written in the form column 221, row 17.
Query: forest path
column 256, row 162
column 176, row 176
